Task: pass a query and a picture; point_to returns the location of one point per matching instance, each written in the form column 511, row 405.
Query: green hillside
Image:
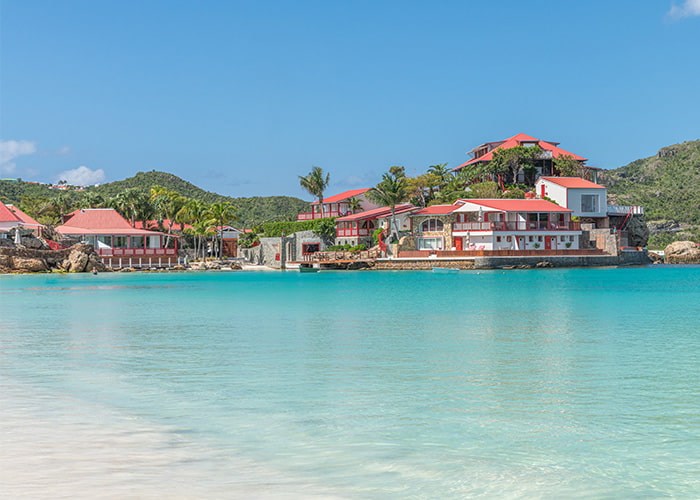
column 256, row 209
column 666, row 184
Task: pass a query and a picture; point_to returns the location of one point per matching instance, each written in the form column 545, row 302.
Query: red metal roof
column 26, row 219
column 377, row 213
column 7, row 215
column 572, row 182
column 437, row 210
column 99, row 221
column 505, row 205
column 343, row 196
column 517, row 140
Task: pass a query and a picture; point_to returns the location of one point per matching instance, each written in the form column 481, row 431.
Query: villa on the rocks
column 544, row 165
column 355, row 229
column 11, row 216
column 117, row 242
column 339, row 205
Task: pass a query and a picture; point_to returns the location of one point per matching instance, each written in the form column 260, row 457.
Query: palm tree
column 222, row 213
column 390, row 192
column 354, row 204
column 134, row 205
column 91, row 199
column 200, row 229
column 315, row 183
column 195, row 213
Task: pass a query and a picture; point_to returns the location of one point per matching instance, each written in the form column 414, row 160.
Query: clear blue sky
column 241, row 97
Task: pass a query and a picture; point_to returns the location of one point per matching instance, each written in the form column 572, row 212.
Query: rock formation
column 682, row 252
column 76, row 259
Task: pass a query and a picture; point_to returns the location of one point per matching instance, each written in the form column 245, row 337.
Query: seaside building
column 355, row 229
column 11, row 216
column 339, row 205
column 587, row 200
column 498, row 224
column 117, row 242
column 544, row 165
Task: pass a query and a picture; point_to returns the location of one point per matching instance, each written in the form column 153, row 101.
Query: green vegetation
column 34, row 198
column 667, row 185
column 315, row 183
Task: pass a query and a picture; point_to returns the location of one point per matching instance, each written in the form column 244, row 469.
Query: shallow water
column 577, row 383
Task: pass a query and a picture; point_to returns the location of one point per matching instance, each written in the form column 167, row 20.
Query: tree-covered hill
column 666, row 184
column 252, row 210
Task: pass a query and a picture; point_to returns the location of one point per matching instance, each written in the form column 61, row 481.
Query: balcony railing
column 447, row 254
column 317, row 215
column 135, row 252
column 625, row 209
column 344, row 233
column 517, row 226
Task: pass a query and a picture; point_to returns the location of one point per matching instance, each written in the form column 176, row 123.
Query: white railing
column 625, row 209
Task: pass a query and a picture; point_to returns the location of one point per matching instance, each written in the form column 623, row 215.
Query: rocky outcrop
column 76, row 259
column 682, row 252
column 637, row 232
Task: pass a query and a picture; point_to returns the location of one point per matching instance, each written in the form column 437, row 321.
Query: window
column 508, row 238
column 136, row 241
column 539, row 238
column 562, row 238
column 120, row 242
column 429, row 243
column 571, row 238
column 589, row 203
column 431, row 225
column 498, row 239
column 530, row 239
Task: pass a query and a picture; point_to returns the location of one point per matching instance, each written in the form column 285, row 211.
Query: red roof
column 437, row 210
column 527, row 205
column 26, row 219
column 376, row 213
column 99, row 221
column 7, row 215
column 343, row 196
column 517, row 140
column 572, row 182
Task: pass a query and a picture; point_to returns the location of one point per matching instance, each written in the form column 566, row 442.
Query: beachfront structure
column 355, row 229
column 116, row 241
column 11, row 216
column 339, row 205
column 544, row 165
column 498, row 224
column 586, row 199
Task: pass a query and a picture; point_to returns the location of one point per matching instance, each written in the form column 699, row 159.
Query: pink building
column 119, row 244
column 338, row 205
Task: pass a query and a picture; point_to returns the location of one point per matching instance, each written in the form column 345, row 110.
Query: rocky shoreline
column 76, row 259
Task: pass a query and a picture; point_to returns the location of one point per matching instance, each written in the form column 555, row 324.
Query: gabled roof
column 26, row 219
column 377, row 213
column 99, row 221
column 343, row 196
column 506, row 205
column 7, row 215
column 437, row 210
column 517, row 140
column 572, row 182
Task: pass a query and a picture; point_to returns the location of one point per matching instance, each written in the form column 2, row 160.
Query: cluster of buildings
column 562, row 215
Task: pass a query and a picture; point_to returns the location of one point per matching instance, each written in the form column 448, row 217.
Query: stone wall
column 275, row 252
column 446, row 232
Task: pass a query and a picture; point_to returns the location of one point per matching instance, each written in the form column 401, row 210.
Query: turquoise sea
column 555, row 383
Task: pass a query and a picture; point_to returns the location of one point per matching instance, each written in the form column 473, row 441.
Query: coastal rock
column 179, row 267
column 28, row 265
column 127, row 270
column 655, row 257
column 544, row 264
column 682, row 252
column 637, row 232
column 212, row 266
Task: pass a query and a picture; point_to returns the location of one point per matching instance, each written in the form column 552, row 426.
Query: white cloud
column 82, row 176
column 9, row 150
column 688, row 8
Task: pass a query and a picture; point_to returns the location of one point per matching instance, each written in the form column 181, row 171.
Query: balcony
column 625, row 209
column 135, row 252
column 345, row 233
column 517, row 226
column 317, row 215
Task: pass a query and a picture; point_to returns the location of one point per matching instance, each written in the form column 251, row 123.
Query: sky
column 242, row 97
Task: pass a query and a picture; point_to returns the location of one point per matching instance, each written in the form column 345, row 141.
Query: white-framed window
column 429, row 243
column 431, row 225
column 589, row 203
column 571, row 238
column 498, row 239
column 530, row 239
column 508, row 238
column 562, row 238
column 539, row 238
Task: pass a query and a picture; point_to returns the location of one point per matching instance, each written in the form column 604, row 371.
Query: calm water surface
column 523, row 384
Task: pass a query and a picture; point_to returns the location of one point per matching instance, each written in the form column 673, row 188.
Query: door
column 458, row 244
column 547, row 242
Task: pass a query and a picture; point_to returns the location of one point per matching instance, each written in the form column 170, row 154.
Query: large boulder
column 682, row 252
column 29, row 265
column 637, row 232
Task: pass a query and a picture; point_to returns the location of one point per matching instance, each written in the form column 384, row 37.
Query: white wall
column 571, row 197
